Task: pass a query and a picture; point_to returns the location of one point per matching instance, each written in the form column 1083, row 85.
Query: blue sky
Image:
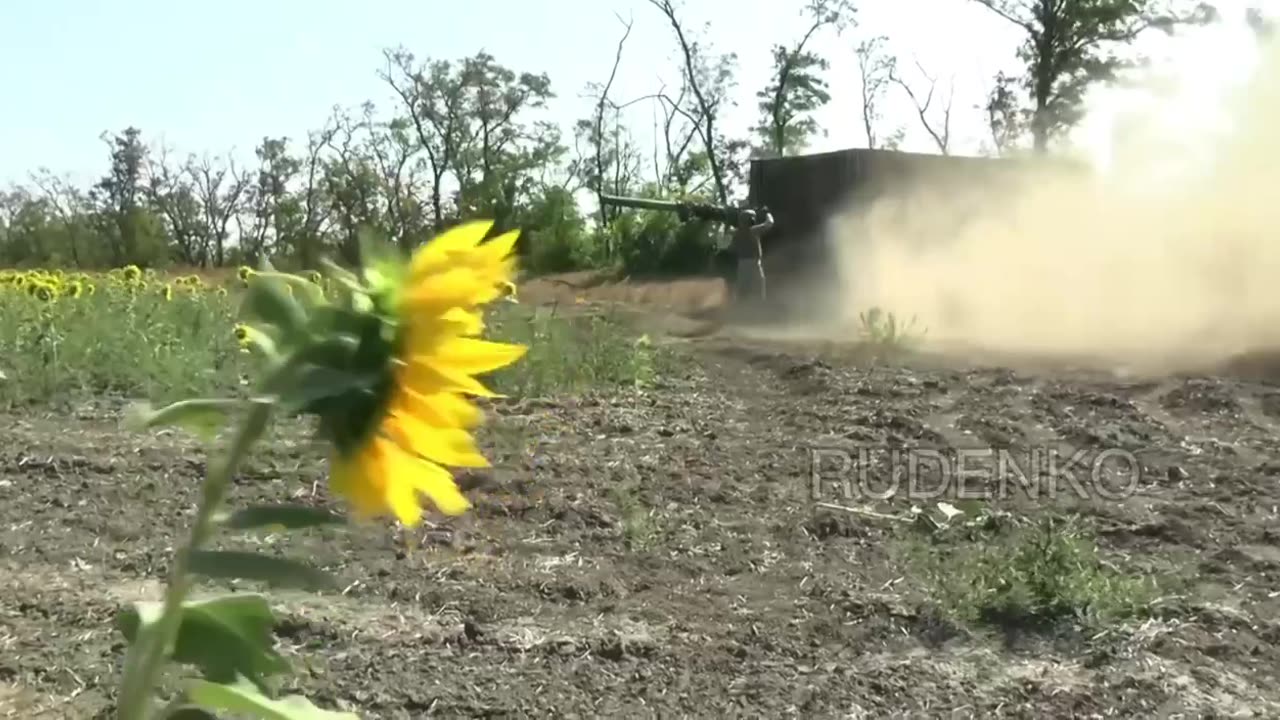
column 217, row 77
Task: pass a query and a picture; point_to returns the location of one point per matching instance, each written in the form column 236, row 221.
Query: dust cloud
column 1165, row 252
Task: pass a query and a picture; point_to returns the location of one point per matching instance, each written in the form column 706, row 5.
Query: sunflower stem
column 145, row 658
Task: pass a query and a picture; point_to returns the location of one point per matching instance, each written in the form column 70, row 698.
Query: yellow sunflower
column 426, row 422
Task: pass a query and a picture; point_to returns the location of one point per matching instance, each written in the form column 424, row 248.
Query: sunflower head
column 388, row 363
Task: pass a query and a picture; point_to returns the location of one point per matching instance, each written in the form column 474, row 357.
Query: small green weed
column 639, row 529
column 885, row 332
column 999, row 572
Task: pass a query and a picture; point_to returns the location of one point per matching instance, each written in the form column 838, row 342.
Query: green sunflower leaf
column 202, row 416
column 269, row 302
column 228, row 638
column 189, row 712
column 245, row 698
column 289, row 517
column 275, row 571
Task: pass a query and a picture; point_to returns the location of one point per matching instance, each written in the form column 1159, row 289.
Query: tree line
column 462, row 140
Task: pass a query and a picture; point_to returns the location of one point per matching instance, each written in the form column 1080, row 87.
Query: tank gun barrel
column 640, row 203
column 686, row 211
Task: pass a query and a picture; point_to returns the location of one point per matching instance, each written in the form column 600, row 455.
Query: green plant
column 385, row 369
column 571, row 350
column 990, row 569
column 639, row 529
column 885, row 331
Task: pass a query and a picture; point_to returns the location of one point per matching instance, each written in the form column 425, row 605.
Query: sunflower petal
column 463, row 236
column 424, row 332
column 426, row 375
column 442, row 409
column 402, row 499
column 360, row 479
column 444, row 445
column 401, row 495
column 437, row 484
column 465, row 322
column 499, row 248
column 458, row 287
column 385, row 479
column 434, row 254
column 473, row 356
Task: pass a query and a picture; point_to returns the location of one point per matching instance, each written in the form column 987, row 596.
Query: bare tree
column 709, row 87
column 70, row 204
column 434, row 97
column 939, row 129
column 1006, row 118
column 877, row 69
column 262, row 217
column 350, row 181
column 169, row 190
column 395, row 153
column 602, row 105
column 679, row 128
column 315, row 211
column 11, row 204
column 220, row 206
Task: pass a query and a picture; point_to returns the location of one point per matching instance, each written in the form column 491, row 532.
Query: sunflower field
column 127, row 332
column 138, row 333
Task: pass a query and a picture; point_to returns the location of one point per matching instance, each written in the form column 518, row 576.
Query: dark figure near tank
column 749, row 280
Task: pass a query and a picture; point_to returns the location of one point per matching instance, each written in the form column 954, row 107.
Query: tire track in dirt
column 1254, row 405
column 1226, row 462
column 1195, row 433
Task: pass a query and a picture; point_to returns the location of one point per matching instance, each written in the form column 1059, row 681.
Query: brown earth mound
column 687, row 296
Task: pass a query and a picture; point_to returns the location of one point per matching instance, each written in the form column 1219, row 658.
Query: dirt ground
column 685, row 296
column 661, row 552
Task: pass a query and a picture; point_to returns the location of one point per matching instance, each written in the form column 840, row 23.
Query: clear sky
column 217, row 77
